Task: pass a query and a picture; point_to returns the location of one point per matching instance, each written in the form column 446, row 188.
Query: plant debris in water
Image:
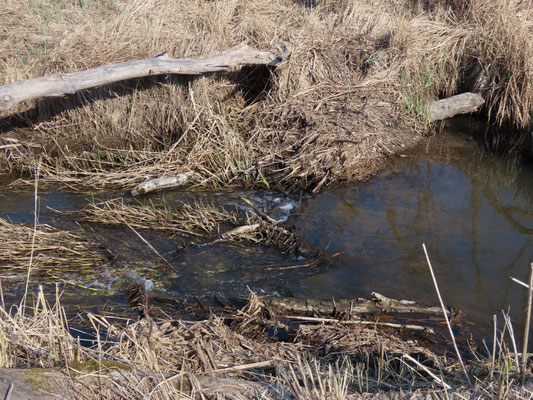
column 48, row 247
column 215, row 223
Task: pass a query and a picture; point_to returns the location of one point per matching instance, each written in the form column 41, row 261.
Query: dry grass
column 52, row 249
column 210, row 358
column 37, row 338
column 352, row 91
column 196, row 219
column 215, row 224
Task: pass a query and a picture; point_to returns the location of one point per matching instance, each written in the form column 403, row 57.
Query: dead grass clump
column 357, row 83
column 504, row 54
column 215, row 223
column 213, row 359
column 197, row 219
column 37, row 336
column 52, row 248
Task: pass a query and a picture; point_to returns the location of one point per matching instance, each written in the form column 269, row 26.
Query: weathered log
column 460, row 104
column 17, row 384
column 61, row 84
column 379, row 304
column 162, row 183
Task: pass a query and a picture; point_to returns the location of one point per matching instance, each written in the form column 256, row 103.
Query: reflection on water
column 473, row 210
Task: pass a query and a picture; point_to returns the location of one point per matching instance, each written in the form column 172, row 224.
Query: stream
column 471, row 208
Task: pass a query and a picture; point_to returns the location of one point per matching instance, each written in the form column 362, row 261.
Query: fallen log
column 58, row 85
column 379, row 304
column 460, row 104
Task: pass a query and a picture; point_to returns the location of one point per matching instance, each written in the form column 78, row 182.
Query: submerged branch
column 379, row 304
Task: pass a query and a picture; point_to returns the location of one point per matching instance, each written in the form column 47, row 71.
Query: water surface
column 471, row 208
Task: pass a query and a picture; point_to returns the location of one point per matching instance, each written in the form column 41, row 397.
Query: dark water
column 472, row 209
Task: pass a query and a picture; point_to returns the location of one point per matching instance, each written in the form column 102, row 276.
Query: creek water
column 471, row 208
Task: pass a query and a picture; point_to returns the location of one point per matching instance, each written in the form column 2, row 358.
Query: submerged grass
column 357, row 82
column 213, row 223
column 52, row 249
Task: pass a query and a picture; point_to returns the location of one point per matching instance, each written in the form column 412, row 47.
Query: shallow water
column 472, row 209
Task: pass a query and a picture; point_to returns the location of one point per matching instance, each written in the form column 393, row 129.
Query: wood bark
column 67, row 83
column 162, row 183
column 463, row 103
column 379, row 304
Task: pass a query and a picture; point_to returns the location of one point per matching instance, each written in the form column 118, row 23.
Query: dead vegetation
column 232, row 357
column 48, row 248
column 212, row 223
column 352, row 91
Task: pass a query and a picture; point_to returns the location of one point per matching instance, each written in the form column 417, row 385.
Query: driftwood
column 461, row 104
column 61, row 84
column 379, row 304
column 162, row 183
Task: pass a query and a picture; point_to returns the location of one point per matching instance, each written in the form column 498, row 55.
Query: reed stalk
column 446, row 315
column 527, row 325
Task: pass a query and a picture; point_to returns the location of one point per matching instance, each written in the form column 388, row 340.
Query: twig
column 528, row 321
column 519, row 282
column 260, row 364
column 259, row 211
column 287, row 267
column 509, row 325
column 358, row 322
column 150, row 246
column 35, row 223
column 9, row 390
column 446, row 314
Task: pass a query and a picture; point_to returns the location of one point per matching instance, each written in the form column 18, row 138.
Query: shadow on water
column 473, row 209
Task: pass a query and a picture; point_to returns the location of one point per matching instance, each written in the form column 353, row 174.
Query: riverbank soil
column 353, row 91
